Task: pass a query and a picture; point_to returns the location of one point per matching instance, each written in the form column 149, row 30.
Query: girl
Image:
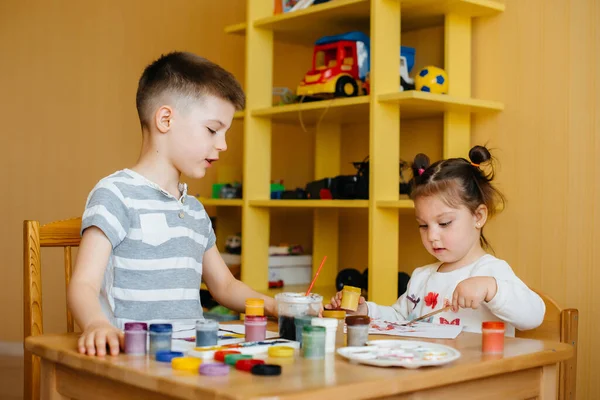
column 453, row 200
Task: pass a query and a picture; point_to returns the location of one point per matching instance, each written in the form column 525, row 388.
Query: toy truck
column 341, row 64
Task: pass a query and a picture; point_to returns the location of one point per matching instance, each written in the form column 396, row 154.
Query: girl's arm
column 513, row 302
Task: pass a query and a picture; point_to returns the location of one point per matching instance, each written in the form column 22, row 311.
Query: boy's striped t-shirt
column 158, row 242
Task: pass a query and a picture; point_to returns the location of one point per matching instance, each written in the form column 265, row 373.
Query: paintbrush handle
column 431, row 314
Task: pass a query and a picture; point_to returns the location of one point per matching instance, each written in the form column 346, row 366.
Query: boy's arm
column 82, row 295
column 227, row 290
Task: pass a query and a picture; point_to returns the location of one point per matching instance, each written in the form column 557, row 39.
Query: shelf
column 402, row 204
column 347, row 110
column 307, row 25
column 238, row 115
column 311, row 203
column 417, row 104
column 326, row 291
column 222, row 202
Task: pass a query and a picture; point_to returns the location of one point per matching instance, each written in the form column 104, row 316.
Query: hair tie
column 475, row 165
column 420, row 171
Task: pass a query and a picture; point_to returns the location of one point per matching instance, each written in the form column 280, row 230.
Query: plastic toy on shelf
column 432, row 79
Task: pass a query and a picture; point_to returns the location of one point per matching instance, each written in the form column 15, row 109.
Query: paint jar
column 292, row 305
column 256, row 328
column 313, row 342
column 358, row 329
column 160, row 338
column 350, row 296
column 255, row 307
column 207, row 331
column 330, row 325
column 300, row 323
column 136, row 338
column 492, row 337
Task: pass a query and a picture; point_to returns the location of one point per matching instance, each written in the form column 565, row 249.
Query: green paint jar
column 313, row 342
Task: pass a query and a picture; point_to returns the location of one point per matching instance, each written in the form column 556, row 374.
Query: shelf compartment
column 222, row 202
column 347, row 110
column 405, row 204
column 417, row 104
column 305, row 26
column 310, row 203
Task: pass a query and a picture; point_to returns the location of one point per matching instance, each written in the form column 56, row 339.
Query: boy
column 145, row 243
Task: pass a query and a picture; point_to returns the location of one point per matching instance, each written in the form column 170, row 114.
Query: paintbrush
column 431, row 314
column 316, row 275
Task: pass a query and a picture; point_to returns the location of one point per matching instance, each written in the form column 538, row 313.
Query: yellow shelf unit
column 385, row 20
column 327, row 291
column 221, row 202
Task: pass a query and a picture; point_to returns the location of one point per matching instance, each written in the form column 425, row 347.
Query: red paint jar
column 256, row 328
column 492, row 337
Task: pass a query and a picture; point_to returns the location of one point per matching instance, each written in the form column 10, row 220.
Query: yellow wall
column 542, row 59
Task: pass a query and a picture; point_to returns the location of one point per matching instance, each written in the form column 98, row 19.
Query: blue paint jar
column 160, row 338
column 207, row 332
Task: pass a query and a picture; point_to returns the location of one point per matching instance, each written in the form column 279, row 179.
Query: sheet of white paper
column 418, row 329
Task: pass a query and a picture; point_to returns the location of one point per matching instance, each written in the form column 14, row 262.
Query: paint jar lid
column 326, row 322
column 136, row 326
column 207, row 325
column 220, row 355
column 167, row 356
column 214, row 369
column 256, row 318
column 352, row 289
column 357, row 320
column 498, row 325
column 247, row 364
column 281, row 351
column 300, row 298
column 339, row 314
column 186, row 364
column 313, row 329
column 255, row 302
column 231, row 359
column 160, row 328
column 266, row 370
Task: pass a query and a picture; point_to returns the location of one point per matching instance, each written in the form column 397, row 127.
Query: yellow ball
column 432, row 79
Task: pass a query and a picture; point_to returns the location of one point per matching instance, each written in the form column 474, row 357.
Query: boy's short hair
column 185, row 75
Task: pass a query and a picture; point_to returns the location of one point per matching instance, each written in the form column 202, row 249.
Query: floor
column 11, row 377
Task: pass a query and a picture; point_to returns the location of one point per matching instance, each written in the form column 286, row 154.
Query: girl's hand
column 97, row 336
column 336, row 302
column 471, row 292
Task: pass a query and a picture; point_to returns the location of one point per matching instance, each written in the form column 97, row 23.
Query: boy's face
column 197, row 135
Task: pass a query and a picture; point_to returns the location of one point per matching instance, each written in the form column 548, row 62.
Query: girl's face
column 450, row 234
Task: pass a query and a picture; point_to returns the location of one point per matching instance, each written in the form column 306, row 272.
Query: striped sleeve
column 212, row 239
column 106, row 210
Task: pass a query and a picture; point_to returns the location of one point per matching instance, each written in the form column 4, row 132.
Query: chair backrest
column 559, row 325
column 56, row 234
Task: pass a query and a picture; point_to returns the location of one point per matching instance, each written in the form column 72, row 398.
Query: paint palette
column 251, row 348
column 400, row 353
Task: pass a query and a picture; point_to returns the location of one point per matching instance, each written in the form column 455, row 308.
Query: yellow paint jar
column 255, row 307
column 350, row 296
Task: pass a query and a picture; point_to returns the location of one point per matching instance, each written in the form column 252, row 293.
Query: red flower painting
column 431, row 299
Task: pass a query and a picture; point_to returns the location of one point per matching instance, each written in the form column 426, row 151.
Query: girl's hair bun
column 479, row 155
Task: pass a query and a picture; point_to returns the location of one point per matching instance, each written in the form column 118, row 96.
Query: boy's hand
column 471, row 292
column 97, row 335
column 336, row 302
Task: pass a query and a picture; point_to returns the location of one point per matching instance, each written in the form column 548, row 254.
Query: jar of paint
column 160, row 338
column 256, row 328
column 313, row 342
column 255, row 307
column 136, row 338
column 330, row 325
column 207, row 332
column 300, row 323
column 492, row 337
column 358, row 329
column 350, row 296
column 292, row 305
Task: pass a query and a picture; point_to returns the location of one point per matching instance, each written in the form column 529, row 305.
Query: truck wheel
column 346, row 87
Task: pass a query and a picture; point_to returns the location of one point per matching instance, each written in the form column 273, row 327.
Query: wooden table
column 526, row 370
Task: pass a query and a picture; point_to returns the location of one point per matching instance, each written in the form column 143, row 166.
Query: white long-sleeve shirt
column 428, row 290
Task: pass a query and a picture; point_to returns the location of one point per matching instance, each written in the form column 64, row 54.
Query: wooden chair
column 56, row 234
column 559, row 325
